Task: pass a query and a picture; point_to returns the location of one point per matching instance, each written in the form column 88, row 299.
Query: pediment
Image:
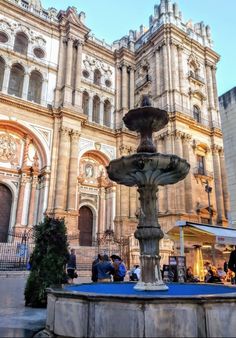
column 70, row 15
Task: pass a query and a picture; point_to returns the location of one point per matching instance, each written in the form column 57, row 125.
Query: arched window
column 85, row 103
column 196, row 114
column 107, row 113
column 97, row 77
column 16, row 80
column 21, row 43
column 2, row 70
column 35, row 87
column 96, row 109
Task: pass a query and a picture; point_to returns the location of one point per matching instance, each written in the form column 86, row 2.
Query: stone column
column 21, row 195
column 209, row 87
column 54, row 160
column 158, row 71
column 32, row 206
column 218, row 184
column 113, row 206
column 90, row 108
column 133, row 201
column 179, row 187
column 25, row 86
column 162, row 190
column 131, row 87
column 78, row 94
column 174, row 69
column 214, row 84
column 224, row 183
column 68, row 78
column 62, row 169
column 124, row 87
column 188, row 179
column 61, row 70
column 181, row 69
column 44, row 92
column 102, row 210
column 73, row 171
column 101, row 113
column 165, row 67
column 170, row 188
column 118, row 87
column 6, row 78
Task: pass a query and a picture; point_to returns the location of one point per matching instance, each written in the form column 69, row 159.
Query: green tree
column 47, row 261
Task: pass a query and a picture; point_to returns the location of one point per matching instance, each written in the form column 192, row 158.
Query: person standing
column 71, row 266
column 104, row 269
column 119, row 269
column 94, row 268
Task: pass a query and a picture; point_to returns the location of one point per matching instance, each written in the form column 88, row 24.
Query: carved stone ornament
column 8, row 148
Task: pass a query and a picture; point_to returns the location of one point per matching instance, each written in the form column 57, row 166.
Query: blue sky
column 111, row 19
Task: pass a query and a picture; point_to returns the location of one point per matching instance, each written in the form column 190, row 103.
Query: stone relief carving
column 8, row 149
column 91, row 63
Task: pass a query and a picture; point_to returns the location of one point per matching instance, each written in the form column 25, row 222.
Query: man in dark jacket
column 71, row 266
column 94, row 268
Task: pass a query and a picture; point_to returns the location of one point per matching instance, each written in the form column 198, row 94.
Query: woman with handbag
column 71, row 267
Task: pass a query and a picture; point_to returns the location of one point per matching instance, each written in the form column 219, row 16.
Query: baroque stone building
column 63, row 95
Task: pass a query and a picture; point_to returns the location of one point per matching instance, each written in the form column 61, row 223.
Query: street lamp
column 208, row 189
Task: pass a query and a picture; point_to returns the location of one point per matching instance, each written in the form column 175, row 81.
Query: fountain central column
column 149, row 234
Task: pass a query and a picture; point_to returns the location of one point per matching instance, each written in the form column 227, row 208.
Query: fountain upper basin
column 148, row 168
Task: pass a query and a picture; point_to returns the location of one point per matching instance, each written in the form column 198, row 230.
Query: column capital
column 74, row 134
column 186, row 138
column 65, row 131
column 215, row 148
column 178, row 134
column 78, row 42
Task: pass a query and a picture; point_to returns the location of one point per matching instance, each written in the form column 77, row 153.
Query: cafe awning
column 203, row 233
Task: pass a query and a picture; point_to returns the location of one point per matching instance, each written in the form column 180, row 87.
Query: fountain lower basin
column 118, row 310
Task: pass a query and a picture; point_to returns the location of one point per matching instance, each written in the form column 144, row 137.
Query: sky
column 112, row 19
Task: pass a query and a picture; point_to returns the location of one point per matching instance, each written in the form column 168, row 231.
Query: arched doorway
column 5, row 211
column 85, row 226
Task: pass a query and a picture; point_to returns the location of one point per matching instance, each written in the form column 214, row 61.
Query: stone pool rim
column 61, row 292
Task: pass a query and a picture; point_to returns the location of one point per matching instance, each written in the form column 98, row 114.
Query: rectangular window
column 200, row 165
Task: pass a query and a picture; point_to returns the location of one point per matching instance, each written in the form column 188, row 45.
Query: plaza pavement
column 16, row 320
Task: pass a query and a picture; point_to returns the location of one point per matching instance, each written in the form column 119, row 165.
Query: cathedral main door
column 5, row 211
column 85, row 226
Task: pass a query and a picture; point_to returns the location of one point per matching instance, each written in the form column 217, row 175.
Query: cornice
column 25, row 105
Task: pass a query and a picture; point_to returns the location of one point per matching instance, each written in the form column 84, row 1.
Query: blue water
column 174, row 289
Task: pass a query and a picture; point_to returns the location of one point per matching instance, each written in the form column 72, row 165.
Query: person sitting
column 190, row 278
column 214, row 277
column 135, row 273
column 104, row 269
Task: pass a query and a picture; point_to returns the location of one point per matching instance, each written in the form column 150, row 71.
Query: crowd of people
column 107, row 269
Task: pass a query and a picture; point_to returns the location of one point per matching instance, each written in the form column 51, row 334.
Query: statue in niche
column 89, row 170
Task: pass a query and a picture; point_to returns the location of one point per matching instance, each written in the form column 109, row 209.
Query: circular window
column 3, row 37
column 85, row 74
column 108, row 83
column 39, row 53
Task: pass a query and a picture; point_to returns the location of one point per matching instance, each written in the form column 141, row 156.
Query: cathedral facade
column 63, row 94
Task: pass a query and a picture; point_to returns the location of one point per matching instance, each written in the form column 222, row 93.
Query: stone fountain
column 149, row 308
column 147, row 170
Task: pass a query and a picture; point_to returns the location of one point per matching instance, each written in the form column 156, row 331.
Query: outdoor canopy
column 202, row 233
